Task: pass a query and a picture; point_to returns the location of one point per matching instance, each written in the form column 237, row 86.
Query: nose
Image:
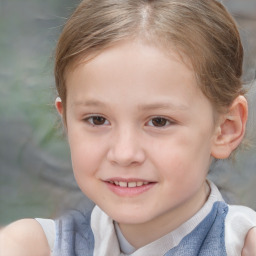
column 126, row 149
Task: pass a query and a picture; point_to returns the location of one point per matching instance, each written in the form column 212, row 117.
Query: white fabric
column 109, row 239
column 48, row 227
column 105, row 239
column 239, row 221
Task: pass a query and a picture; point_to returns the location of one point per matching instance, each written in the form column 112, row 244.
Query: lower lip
column 127, row 191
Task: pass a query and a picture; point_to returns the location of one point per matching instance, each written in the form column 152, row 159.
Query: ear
column 231, row 129
column 60, row 109
column 58, row 105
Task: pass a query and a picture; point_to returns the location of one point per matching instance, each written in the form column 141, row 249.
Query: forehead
column 134, row 71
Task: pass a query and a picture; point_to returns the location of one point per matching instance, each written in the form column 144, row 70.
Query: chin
column 129, row 217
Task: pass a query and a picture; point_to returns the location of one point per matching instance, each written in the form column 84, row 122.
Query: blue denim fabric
column 75, row 236
column 208, row 238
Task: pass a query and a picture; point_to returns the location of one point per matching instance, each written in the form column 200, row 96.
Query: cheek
column 182, row 156
column 85, row 162
column 85, row 154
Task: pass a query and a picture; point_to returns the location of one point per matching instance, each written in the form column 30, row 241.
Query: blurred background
column 36, row 178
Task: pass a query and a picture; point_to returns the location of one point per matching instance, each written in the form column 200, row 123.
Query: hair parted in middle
column 202, row 31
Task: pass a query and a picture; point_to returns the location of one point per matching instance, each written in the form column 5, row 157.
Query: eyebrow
column 143, row 107
column 90, row 103
column 163, row 105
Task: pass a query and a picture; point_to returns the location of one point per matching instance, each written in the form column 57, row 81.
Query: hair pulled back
column 201, row 30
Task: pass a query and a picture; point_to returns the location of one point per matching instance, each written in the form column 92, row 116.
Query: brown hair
column 202, row 30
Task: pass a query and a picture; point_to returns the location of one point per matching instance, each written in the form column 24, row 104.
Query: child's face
column 135, row 117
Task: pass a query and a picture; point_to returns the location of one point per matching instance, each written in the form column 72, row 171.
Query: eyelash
column 164, row 122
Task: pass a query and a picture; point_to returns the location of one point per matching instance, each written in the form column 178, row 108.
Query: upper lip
column 127, row 180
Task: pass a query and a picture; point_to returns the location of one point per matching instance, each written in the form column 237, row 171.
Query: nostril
column 125, row 149
column 124, row 158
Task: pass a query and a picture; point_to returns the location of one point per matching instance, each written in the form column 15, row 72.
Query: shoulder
column 23, row 237
column 250, row 245
column 239, row 221
column 241, row 216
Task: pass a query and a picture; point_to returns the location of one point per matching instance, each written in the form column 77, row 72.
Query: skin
column 250, row 246
column 135, row 114
column 127, row 145
column 23, row 238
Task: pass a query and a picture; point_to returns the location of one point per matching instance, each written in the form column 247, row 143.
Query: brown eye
column 159, row 121
column 97, row 120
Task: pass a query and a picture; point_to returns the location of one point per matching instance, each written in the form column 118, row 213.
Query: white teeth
column 122, row 184
column 131, row 184
column 139, row 183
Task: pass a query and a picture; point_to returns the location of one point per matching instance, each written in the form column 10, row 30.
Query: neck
column 139, row 235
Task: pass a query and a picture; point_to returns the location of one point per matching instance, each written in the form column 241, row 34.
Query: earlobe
column 58, row 105
column 231, row 129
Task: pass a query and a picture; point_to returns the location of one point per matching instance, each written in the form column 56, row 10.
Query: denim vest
column 208, row 238
column 74, row 236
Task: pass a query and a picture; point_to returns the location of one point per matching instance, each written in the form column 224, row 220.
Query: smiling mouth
column 129, row 187
column 131, row 184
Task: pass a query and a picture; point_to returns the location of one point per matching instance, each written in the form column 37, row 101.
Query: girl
column 150, row 93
